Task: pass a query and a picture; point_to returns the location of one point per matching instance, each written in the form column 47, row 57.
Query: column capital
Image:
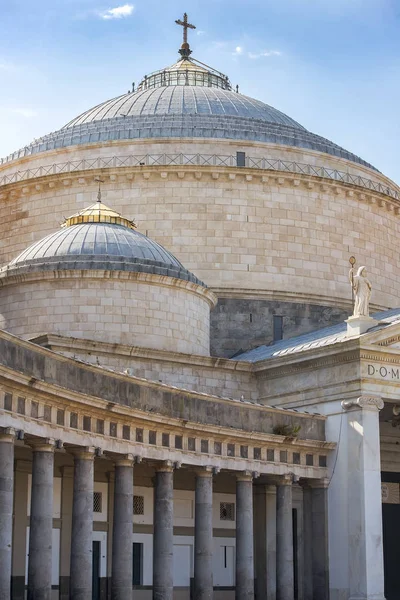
column 83, row 452
column 245, row 476
column 7, row 434
column 278, row 480
column 367, row 402
column 125, row 460
column 205, row 472
column 322, row 483
column 167, row 466
column 42, row 445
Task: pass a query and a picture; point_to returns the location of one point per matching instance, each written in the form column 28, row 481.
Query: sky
column 332, row 65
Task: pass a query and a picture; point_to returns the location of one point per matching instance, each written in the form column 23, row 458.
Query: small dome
column 99, row 238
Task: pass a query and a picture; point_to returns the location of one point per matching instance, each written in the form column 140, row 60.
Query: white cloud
column 265, row 53
column 119, row 12
column 200, row 32
column 28, row 113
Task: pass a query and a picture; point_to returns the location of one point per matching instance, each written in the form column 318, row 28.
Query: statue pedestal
column 359, row 325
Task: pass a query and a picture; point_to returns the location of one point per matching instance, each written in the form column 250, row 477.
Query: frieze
column 381, row 371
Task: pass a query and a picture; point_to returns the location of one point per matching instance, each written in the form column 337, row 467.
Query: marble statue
column 362, row 292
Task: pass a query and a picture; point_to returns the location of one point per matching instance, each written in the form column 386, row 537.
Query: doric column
column 260, row 540
column 7, row 436
column 244, row 537
column 41, row 521
column 163, row 538
column 122, row 548
column 271, row 542
column 364, row 503
column 82, row 525
column 203, row 536
column 308, row 540
column 284, row 540
column 67, row 473
column 320, row 549
column 265, row 541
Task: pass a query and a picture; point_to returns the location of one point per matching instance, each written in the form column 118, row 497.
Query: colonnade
column 41, row 522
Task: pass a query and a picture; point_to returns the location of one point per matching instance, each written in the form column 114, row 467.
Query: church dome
column 186, row 100
column 99, row 238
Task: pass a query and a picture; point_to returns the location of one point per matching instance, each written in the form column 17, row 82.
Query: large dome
column 99, row 238
column 179, row 100
column 185, row 100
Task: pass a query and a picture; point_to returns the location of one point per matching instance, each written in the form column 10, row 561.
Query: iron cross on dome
column 185, row 49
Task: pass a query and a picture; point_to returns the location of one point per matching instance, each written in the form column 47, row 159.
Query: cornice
column 63, row 398
column 8, row 278
column 44, row 178
column 71, row 344
column 130, row 378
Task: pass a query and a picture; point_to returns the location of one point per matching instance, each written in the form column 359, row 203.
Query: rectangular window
column 47, row 413
column 283, row 456
column 87, row 423
column 240, row 159
column 165, row 440
column 244, row 451
column 60, row 416
column 271, row 455
column 257, row 453
column 34, row 409
column 153, row 437
column 296, row 458
column 137, row 564
column 192, row 444
column 113, row 429
column 230, row 450
column 126, row 432
column 138, row 505
column 277, row 328
column 322, row 461
column 7, row 401
column 139, row 435
column 73, row 420
column 218, row 448
column 227, row 511
column 204, row 445
column 178, row 442
column 97, row 502
column 100, row 426
column 21, row 405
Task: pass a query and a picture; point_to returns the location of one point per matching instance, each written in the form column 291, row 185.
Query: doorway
column 391, row 533
column 96, row 571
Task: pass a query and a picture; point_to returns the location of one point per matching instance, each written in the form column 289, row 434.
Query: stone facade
column 238, row 229
column 131, row 308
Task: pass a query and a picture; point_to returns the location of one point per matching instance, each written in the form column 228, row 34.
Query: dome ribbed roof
column 179, row 100
column 99, row 245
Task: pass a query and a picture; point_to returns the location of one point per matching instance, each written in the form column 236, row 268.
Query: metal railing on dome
column 199, row 160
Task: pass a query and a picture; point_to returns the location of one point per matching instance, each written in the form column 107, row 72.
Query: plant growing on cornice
column 289, row 431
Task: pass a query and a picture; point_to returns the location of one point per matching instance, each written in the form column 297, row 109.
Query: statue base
column 359, row 325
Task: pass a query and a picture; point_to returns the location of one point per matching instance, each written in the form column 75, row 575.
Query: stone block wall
column 242, row 324
column 237, row 231
column 118, row 311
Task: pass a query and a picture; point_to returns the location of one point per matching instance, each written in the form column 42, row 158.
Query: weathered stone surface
column 47, row 366
column 242, row 324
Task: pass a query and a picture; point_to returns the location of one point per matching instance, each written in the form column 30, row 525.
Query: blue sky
column 333, row 65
